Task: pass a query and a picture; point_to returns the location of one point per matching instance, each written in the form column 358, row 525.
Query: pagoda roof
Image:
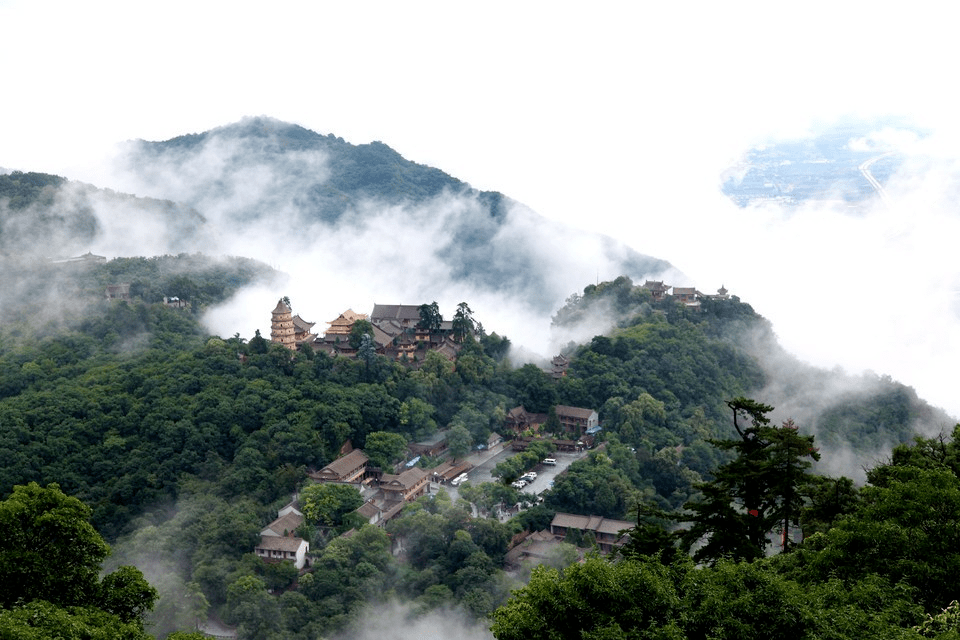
column 301, row 324
column 348, row 316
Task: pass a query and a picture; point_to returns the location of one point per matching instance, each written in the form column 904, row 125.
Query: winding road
column 865, row 170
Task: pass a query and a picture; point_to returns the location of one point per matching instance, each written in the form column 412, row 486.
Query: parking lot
column 486, row 461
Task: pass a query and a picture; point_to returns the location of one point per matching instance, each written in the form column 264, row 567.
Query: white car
column 519, row 484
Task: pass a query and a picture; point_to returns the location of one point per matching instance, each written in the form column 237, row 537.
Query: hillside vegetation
column 184, row 444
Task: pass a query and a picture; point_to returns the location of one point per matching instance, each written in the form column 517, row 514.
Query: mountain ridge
column 300, row 188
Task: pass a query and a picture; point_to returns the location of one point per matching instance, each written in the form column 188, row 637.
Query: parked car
column 550, row 461
column 459, row 479
column 519, row 484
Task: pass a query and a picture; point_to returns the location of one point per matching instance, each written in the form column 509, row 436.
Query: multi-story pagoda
column 288, row 329
column 282, row 330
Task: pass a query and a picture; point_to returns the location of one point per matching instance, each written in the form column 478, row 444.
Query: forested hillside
column 185, row 444
column 49, row 217
column 882, row 563
column 665, row 349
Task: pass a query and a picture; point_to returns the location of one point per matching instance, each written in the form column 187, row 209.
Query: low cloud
column 396, row 621
column 868, row 288
column 259, row 200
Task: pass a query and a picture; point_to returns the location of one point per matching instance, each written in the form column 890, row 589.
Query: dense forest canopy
column 183, row 444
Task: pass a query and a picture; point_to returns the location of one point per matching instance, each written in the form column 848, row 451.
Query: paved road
column 485, row 462
column 865, row 170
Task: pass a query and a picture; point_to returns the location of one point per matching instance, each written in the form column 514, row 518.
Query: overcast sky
column 617, row 117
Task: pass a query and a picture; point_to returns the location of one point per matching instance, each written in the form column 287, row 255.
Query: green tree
column 495, row 346
column 459, row 441
column 535, row 390
column 49, row 551
column 126, row 594
column 763, row 489
column 463, row 322
column 430, row 318
column 651, row 536
column 416, row 417
column 255, row 612
column 747, row 601
column 41, row 620
column 359, row 329
column 384, row 448
column 327, row 503
column 367, row 354
column 258, row 344
column 904, row 529
column 552, row 425
column 593, row 600
column 36, row 526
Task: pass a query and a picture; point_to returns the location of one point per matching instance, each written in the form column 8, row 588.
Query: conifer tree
column 761, row 491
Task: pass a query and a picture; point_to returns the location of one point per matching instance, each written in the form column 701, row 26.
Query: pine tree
column 762, row 490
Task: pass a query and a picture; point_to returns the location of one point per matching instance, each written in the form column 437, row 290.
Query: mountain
column 47, row 216
column 185, row 444
column 263, row 184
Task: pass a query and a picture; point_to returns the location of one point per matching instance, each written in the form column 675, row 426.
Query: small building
column 432, row 446
column 372, row 513
column 607, row 532
column 302, row 330
column 118, row 291
column 519, row 420
column 349, row 468
column 409, row 485
column 282, row 330
column 447, row 471
column 288, row 521
column 576, row 420
column 658, row 290
column 87, row 258
column 558, row 366
column 448, row 348
column 534, row 547
column 278, row 549
column 283, row 526
column 687, row 296
column 278, row 541
column 569, row 446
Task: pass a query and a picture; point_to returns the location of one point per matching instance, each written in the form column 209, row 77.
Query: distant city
column 842, row 164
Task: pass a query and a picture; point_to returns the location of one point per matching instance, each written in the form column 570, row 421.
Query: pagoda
column 282, row 330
